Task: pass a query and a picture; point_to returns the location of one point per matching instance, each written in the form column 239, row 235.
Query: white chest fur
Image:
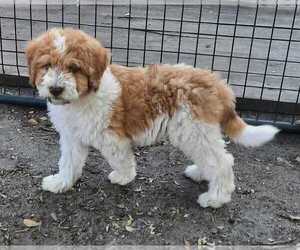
column 87, row 118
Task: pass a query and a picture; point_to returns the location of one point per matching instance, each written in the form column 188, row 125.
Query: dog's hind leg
column 221, row 180
column 118, row 152
column 203, row 144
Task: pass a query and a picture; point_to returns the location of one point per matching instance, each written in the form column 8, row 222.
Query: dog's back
column 148, row 94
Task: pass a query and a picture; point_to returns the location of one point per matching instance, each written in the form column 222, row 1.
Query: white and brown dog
column 113, row 108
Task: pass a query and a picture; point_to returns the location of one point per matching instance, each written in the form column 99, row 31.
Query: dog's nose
column 56, row 91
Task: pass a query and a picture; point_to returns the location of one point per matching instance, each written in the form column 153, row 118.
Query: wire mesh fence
column 255, row 47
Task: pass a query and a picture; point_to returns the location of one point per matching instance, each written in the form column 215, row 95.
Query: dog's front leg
column 73, row 156
column 118, row 152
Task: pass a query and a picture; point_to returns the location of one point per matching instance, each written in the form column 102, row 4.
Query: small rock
column 279, row 159
column 252, row 191
column 298, row 158
column 220, row 227
column 139, row 224
column 33, row 122
column 121, row 206
column 53, row 216
column 231, row 220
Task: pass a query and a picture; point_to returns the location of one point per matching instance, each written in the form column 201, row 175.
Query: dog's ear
column 100, row 61
column 31, row 52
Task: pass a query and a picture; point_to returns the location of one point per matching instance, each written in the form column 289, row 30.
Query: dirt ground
column 159, row 207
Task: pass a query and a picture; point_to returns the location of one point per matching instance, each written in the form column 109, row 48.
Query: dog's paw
column 116, row 178
column 55, row 184
column 209, row 200
column 193, row 172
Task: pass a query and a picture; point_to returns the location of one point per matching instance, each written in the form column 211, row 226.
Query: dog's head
column 65, row 64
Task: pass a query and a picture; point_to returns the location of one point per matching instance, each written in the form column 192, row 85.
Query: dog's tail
column 247, row 135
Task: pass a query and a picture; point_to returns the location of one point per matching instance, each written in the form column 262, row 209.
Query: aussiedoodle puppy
column 113, row 108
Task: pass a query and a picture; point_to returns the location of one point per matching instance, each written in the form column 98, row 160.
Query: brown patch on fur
column 91, row 57
column 38, row 57
column 140, row 103
column 160, row 89
column 84, row 57
column 232, row 124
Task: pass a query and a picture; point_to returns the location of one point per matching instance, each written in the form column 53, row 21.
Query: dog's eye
column 74, row 68
column 46, row 66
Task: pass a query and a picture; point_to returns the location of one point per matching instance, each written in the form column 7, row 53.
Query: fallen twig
column 290, row 217
column 277, row 243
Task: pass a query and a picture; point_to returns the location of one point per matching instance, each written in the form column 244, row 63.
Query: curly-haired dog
column 113, row 108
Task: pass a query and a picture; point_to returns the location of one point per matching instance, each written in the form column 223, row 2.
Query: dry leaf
column 31, row 223
column 43, row 118
column 152, row 228
column 115, row 225
column 130, row 220
column 202, row 241
column 33, row 122
column 130, row 229
column 139, row 189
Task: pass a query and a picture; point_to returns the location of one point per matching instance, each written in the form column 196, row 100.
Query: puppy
column 112, row 108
